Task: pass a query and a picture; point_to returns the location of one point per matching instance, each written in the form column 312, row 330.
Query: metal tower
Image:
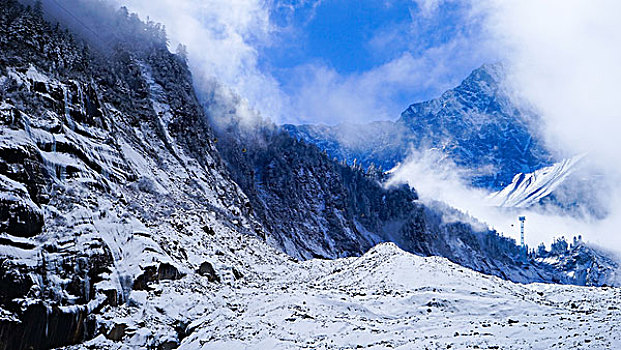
column 522, row 219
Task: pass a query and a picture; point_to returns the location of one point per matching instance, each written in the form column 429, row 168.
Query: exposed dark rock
column 142, row 281
column 168, row 345
column 208, row 230
column 19, row 216
column 167, row 271
column 42, row 327
column 164, row 271
column 24, row 165
column 112, row 297
column 117, row 332
column 182, row 329
column 207, row 270
column 238, row 275
column 15, row 282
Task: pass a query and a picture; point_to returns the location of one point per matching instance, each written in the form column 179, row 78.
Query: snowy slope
column 384, row 299
column 528, row 189
column 108, row 179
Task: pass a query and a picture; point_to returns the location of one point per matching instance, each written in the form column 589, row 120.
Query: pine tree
column 38, row 9
column 182, row 53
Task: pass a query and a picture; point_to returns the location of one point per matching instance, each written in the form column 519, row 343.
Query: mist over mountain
column 476, row 125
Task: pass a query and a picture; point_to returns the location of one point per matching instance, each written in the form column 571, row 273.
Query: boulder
column 117, row 332
column 164, row 271
column 207, row 270
column 142, row 281
column 19, row 215
column 168, row 345
column 167, row 271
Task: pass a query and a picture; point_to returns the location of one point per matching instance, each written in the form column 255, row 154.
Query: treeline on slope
column 313, row 206
column 111, row 50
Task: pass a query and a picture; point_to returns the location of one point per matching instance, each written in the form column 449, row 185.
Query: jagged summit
column 476, row 125
column 476, row 93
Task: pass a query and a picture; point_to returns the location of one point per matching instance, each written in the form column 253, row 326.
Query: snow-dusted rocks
column 19, row 215
column 385, row 299
column 95, row 190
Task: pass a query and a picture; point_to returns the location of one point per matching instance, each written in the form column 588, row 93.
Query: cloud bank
column 564, row 57
column 436, row 178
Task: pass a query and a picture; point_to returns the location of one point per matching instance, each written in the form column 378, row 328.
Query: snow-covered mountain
column 477, row 125
column 527, row 190
column 124, row 224
column 313, row 207
column 571, row 187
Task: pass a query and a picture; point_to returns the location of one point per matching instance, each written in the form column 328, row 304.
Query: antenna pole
column 522, row 219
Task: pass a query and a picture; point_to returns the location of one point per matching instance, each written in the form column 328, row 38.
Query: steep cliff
column 105, row 161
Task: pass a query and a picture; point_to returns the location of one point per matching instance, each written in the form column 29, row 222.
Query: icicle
column 68, row 119
column 83, row 269
column 53, row 143
column 105, row 173
column 47, row 319
column 60, row 171
column 27, row 125
column 80, row 98
column 66, row 99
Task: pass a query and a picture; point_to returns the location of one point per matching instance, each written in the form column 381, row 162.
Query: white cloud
column 328, row 97
column 428, row 7
column 564, row 57
column 223, row 37
column 325, row 96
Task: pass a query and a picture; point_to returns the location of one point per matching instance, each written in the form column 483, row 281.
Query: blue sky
column 337, row 32
column 353, row 36
column 326, row 61
column 437, row 44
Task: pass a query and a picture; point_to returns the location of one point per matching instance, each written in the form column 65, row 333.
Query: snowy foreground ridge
column 385, row 299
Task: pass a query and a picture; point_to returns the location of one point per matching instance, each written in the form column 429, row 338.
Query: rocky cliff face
column 105, row 164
